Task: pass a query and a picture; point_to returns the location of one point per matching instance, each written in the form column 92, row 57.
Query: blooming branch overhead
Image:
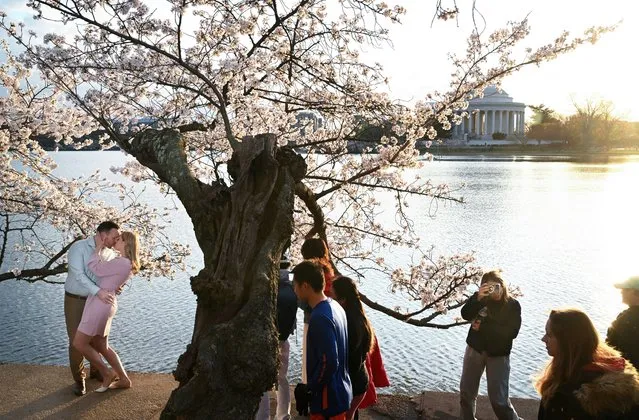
column 217, row 71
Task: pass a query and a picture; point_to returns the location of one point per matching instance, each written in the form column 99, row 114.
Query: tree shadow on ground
column 60, row 404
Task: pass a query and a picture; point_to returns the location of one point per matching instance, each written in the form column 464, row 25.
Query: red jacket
column 376, row 374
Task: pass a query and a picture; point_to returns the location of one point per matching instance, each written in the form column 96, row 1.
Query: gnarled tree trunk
column 232, row 358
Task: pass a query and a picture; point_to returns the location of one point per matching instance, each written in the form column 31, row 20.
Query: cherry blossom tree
column 249, row 106
column 41, row 214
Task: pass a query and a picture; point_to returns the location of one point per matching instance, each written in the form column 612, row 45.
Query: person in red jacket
column 377, row 376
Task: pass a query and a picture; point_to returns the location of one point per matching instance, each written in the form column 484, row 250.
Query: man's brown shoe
column 95, row 374
column 79, row 388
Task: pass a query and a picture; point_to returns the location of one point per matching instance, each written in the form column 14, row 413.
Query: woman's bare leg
column 82, row 342
column 114, row 360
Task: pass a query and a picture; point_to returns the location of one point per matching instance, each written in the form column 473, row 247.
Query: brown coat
column 605, row 395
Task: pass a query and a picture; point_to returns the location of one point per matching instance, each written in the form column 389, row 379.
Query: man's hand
column 106, row 297
column 117, row 292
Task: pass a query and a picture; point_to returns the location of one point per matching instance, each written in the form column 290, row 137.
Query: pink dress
column 97, row 315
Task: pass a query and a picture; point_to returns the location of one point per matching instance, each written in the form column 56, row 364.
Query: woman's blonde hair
column 132, row 249
column 578, row 344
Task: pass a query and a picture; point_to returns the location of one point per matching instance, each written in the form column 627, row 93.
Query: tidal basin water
column 563, row 232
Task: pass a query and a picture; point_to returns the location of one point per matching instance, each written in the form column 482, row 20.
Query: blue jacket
column 327, row 360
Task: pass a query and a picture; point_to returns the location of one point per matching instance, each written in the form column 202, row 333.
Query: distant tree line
column 49, row 143
column 368, row 135
column 592, row 125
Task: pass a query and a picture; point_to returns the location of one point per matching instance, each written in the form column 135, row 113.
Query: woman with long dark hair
column 585, row 379
column 360, row 338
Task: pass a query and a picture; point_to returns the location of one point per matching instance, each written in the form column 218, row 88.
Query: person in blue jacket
column 327, row 345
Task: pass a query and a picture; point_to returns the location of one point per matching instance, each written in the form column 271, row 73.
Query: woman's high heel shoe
column 104, row 388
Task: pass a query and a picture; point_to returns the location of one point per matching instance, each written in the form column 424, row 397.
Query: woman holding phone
column 495, row 320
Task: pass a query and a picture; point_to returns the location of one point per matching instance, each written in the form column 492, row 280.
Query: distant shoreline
column 534, row 156
column 496, row 155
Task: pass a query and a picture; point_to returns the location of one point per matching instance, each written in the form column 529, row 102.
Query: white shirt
column 80, row 280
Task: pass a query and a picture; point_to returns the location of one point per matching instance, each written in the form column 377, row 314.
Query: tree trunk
column 232, row 358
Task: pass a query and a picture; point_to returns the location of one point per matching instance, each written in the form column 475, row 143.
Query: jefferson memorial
column 495, row 112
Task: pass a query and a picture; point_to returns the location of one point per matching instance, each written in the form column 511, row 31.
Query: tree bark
column 232, row 358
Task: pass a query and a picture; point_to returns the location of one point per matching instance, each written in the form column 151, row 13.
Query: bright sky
column 607, row 70
column 418, row 64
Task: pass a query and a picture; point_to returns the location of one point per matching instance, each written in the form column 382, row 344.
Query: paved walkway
column 44, row 392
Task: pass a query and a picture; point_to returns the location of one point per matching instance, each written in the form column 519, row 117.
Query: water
column 563, row 232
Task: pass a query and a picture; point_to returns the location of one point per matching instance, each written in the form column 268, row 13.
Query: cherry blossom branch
column 36, row 274
column 444, row 302
column 404, row 317
column 59, row 255
column 163, row 152
column 279, row 21
column 55, row 5
column 358, row 175
column 307, row 196
column 5, row 237
column 412, row 191
column 424, row 322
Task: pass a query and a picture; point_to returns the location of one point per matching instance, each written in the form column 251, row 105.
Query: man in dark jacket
column 496, row 319
column 327, row 346
column 286, row 314
column 623, row 334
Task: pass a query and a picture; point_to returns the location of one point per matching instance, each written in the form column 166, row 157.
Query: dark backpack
column 286, row 307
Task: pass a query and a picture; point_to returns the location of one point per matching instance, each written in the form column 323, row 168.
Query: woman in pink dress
column 93, row 332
